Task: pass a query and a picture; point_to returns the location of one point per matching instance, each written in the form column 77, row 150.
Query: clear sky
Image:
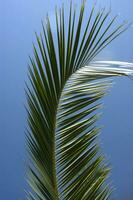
column 18, row 21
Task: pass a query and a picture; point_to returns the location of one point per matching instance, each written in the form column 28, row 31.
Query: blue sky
column 19, row 20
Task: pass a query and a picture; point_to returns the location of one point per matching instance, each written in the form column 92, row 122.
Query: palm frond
column 63, row 99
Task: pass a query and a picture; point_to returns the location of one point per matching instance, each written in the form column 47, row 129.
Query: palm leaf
column 65, row 158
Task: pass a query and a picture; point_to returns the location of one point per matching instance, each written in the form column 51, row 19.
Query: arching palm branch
column 63, row 99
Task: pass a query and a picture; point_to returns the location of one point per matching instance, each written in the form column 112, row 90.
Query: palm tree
column 64, row 96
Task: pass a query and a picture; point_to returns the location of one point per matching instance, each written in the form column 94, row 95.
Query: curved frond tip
column 63, row 100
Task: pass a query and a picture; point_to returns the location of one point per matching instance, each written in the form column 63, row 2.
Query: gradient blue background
column 18, row 21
